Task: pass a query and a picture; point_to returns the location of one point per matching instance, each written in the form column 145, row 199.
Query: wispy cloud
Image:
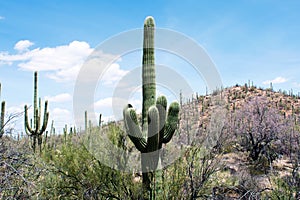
column 23, row 45
column 110, row 102
column 2, row 18
column 276, row 80
column 117, row 104
column 64, row 97
column 296, row 84
column 61, row 117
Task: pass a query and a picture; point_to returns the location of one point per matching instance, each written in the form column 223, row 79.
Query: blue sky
column 255, row 40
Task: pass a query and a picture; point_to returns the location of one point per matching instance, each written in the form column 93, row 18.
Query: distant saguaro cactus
column 158, row 125
column 100, row 120
column 85, row 122
column 35, row 130
column 2, row 123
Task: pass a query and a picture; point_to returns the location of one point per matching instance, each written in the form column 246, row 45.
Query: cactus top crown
column 149, row 22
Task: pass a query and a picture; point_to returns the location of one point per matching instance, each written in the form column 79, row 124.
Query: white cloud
column 113, row 74
column 62, row 62
column 15, row 109
column 57, row 58
column 101, row 67
column 23, row 45
column 61, row 117
column 110, row 102
column 60, row 111
column 64, row 97
column 117, row 104
column 296, row 84
column 1, row 17
column 106, row 102
column 276, row 80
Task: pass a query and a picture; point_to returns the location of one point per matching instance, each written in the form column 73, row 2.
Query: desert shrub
column 18, row 172
column 287, row 187
column 259, row 129
column 170, row 181
column 192, row 176
column 73, row 172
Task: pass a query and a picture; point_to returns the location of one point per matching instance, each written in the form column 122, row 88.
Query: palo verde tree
column 35, row 129
column 157, row 125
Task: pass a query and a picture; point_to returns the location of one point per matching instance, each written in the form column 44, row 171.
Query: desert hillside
column 241, row 142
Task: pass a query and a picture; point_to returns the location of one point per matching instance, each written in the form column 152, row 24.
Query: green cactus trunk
column 157, row 125
column 2, row 123
column 100, row 120
column 148, row 74
column 36, row 129
column 85, row 122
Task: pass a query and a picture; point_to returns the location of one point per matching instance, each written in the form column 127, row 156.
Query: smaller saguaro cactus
column 100, row 119
column 85, row 122
column 271, row 86
column 2, row 122
column 68, row 135
column 74, row 130
column 45, row 141
column 52, row 129
column 90, row 125
column 36, row 129
column 65, row 130
column 180, row 94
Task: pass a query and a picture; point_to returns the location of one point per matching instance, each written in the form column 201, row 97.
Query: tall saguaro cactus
column 36, row 129
column 2, row 123
column 157, row 125
column 86, row 127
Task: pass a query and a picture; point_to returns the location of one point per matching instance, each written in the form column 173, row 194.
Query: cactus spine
column 2, row 123
column 35, row 130
column 157, row 125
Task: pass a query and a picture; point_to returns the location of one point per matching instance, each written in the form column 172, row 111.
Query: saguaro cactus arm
column 171, row 123
column 161, row 104
column 46, row 117
column 153, row 129
column 28, row 128
column 133, row 129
